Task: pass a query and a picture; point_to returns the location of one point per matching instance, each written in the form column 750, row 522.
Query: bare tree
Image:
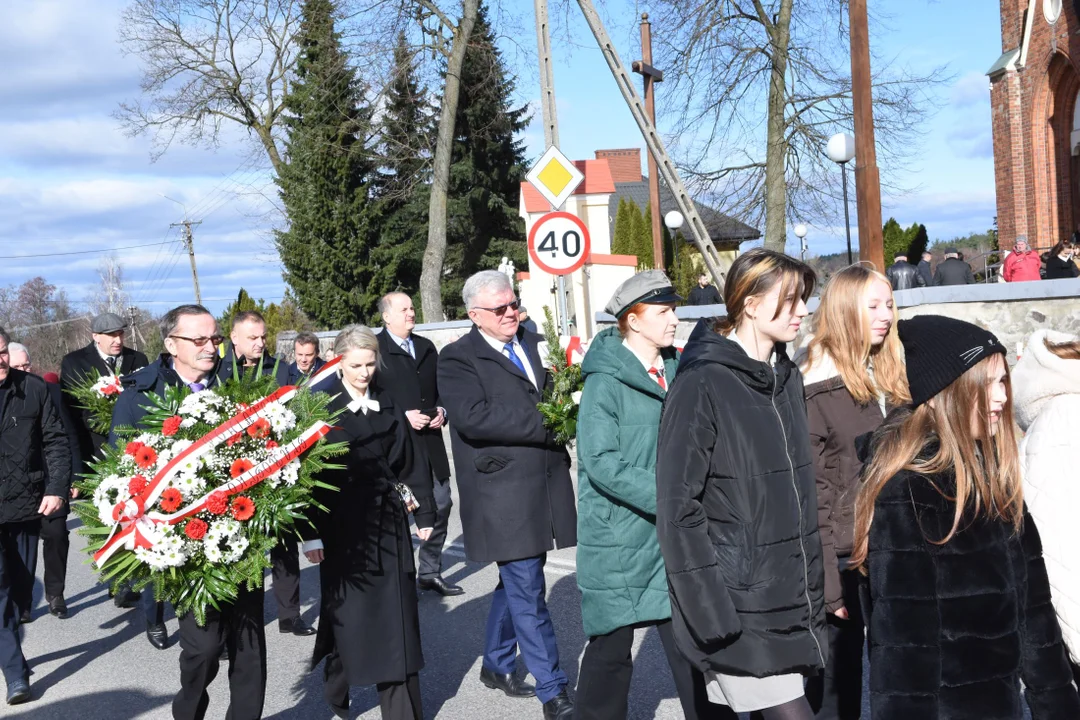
column 774, row 76
column 40, row 316
column 207, row 64
column 110, row 296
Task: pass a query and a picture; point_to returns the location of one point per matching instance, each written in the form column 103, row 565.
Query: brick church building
column 1036, row 121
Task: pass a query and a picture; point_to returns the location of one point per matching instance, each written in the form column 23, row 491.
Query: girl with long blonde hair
column 959, row 609
column 853, row 369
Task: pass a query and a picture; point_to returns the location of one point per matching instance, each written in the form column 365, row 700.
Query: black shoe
column 510, row 684
column 296, row 627
column 57, row 607
column 26, row 617
column 158, row 635
column 126, row 599
column 440, row 586
column 560, row 707
column 18, row 692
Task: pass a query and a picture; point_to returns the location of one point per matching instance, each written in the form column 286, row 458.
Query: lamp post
column 841, row 150
column 674, row 220
column 800, row 232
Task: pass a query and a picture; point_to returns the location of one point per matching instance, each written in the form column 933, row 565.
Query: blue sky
column 70, row 180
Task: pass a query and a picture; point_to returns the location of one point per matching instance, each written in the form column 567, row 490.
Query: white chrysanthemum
column 180, row 446
column 291, row 472
column 212, row 551
column 190, row 485
column 188, row 422
column 211, row 416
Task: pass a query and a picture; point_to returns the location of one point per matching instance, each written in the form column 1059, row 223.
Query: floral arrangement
column 560, row 404
column 193, row 501
column 97, row 394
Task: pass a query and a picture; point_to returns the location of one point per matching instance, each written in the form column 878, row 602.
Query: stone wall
column 439, row 333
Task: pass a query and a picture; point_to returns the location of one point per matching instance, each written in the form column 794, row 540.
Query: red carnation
column 243, row 508
column 239, row 467
column 217, row 503
column 196, row 529
column 133, row 447
column 271, row 444
column 146, row 457
column 110, row 390
column 235, row 439
column 259, row 429
column 137, row 484
column 171, row 426
column 171, row 499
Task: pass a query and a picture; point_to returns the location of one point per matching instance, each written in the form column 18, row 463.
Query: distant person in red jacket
column 1022, row 264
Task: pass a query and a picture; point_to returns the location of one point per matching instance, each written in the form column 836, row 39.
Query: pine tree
column 894, row 240
column 644, row 243
column 684, row 272
column 405, row 138
column 326, row 184
column 488, row 167
column 620, row 241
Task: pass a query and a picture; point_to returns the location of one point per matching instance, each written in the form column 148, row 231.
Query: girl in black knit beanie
column 959, row 609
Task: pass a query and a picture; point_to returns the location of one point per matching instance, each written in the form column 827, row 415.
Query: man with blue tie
column 517, row 499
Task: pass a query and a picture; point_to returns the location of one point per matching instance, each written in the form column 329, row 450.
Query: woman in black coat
column 736, row 509
column 958, row 603
column 1059, row 262
column 370, row 626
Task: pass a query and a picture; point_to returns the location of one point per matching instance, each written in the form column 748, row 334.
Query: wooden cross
column 651, row 75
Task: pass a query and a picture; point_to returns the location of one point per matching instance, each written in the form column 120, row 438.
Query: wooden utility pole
column 651, row 75
column 189, row 242
column 867, row 179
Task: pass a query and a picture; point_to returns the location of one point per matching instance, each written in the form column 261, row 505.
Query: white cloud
column 973, row 88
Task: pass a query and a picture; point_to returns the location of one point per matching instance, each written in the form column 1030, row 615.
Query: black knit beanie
column 939, row 350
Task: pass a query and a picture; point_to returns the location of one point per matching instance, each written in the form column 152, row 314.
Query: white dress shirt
column 500, row 347
column 405, row 344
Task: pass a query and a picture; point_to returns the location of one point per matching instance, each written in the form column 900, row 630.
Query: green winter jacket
column 619, row 568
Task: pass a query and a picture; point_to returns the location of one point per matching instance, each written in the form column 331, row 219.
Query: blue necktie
column 509, row 348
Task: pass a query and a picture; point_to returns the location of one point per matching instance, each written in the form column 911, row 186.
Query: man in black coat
column 410, row 376
column 245, row 352
column 306, row 361
column 953, row 271
column 105, row 355
column 54, row 533
column 35, row 476
column 517, row 500
column 925, row 271
column 191, row 338
column 903, row 275
column 705, row 293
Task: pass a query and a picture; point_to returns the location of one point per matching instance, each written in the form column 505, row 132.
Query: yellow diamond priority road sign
column 555, row 177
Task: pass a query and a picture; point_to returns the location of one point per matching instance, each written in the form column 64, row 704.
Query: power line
column 81, row 252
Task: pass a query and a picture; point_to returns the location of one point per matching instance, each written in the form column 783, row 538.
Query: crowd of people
column 768, row 514
column 1021, row 264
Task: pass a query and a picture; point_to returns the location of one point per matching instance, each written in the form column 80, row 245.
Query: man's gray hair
column 14, row 347
column 385, row 302
column 491, row 280
column 172, row 318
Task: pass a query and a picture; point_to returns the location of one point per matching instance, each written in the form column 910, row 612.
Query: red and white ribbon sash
column 130, row 530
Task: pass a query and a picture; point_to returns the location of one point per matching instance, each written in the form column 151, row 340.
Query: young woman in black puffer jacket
column 958, row 604
column 736, row 510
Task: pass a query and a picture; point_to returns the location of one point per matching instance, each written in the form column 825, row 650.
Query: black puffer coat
column 35, row 458
column 737, row 513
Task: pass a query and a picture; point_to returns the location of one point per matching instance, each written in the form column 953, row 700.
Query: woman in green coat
column 619, row 568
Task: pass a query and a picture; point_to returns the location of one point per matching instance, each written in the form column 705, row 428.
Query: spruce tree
column 488, row 167
column 644, row 240
column 326, row 183
column 620, row 241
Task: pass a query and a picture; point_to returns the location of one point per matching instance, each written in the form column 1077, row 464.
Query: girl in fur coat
column 958, row 605
column 1047, row 387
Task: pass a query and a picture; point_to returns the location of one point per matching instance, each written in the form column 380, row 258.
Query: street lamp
column 841, row 150
column 674, row 220
column 800, row 232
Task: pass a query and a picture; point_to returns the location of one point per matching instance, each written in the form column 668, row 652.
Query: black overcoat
column 369, row 613
column 414, row 385
column 954, row 628
column 736, row 513
column 84, row 363
column 517, row 499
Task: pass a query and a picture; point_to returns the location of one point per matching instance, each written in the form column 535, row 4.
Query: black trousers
column 836, row 692
column 54, row 551
column 397, row 701
column 430, row 553
column 604, row 679
column 286, row 573
column 18, row 556
column 239, row 627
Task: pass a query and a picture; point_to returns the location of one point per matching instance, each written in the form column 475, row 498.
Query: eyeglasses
column 200, row 341
column 501, row 310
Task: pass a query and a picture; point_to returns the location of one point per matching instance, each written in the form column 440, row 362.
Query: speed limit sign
column 559, row 243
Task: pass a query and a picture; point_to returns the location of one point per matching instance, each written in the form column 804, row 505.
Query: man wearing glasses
column 105, row 355
column 191, row 338
column 517, row 499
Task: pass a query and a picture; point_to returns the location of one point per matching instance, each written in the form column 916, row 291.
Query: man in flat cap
column 517, row 500
column 953, row 271
column 105, row 355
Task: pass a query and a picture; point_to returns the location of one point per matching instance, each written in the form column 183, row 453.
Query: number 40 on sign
column 559, row 243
